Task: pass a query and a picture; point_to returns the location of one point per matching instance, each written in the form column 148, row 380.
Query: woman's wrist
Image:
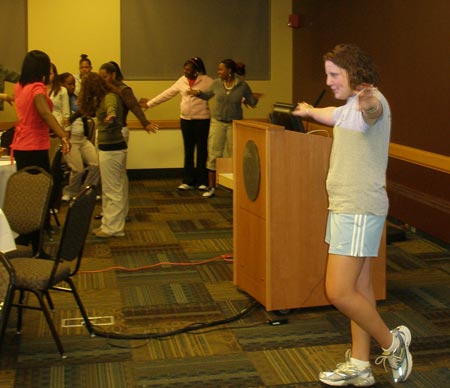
column 372, row 109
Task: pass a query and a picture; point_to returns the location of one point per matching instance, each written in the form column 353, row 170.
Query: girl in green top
column 100, row 99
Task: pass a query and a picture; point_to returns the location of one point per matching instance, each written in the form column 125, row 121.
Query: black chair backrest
column 26, row 199
column 76, row 225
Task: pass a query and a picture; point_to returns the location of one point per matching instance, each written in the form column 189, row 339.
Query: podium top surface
column 264, row 126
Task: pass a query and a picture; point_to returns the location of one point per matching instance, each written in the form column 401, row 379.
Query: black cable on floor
column 192, row 327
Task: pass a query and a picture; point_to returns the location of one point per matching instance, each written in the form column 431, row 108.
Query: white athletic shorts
column 354, row 234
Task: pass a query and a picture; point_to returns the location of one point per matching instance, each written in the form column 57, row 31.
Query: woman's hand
column 369, row 104
column 65, row 145
column 152, row 127
column 302, row 109
column 9, row 99
column 109, row 119
column 366, row 97
column 143, row 103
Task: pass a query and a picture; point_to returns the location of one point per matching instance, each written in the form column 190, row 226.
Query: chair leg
column 50, row 323
column 83, row 312
column 20, row 312
column 55, row 216
column 7, row 310
column 49, row 301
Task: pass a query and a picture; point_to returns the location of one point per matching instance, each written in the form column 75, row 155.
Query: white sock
column 394, row 345
column 359, row 364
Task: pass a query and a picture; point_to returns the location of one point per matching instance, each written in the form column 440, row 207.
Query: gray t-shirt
column 356, row 181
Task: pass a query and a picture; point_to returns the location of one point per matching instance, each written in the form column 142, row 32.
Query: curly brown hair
column 356, row 62
column 93, row 90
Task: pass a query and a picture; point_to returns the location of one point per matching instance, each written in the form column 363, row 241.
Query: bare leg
column 349, row 289
column 360, row 338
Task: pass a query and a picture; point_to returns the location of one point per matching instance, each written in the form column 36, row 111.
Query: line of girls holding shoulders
column 45, row 101
column 105, row 96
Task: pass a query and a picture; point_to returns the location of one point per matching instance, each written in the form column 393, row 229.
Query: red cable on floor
column 228, row 258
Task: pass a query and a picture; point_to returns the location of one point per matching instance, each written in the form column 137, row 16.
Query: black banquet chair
column 39, row 276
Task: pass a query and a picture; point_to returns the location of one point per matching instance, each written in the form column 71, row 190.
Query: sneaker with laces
column 210, row 193
column 400, row 360
column 347, row 374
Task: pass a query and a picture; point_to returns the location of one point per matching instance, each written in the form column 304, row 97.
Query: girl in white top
column 83, row 155
column 61, row 109
column 59, row 96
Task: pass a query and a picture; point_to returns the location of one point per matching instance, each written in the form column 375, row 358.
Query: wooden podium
column 279, row 226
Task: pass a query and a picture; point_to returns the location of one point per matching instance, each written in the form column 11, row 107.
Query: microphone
column 322, row 93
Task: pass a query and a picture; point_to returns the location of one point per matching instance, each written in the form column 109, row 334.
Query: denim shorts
column 354, row 234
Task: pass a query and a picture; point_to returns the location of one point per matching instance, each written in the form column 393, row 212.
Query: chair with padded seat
column 25, row 206
column 40, row 276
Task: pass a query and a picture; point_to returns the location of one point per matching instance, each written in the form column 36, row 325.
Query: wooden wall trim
column 398, row 151
column 4, row 125
column 132, row 124
column 422, row 158
column 163, row 124
column 167, row 124
column 431, row 201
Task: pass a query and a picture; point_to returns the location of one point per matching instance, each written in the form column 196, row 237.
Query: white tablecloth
column 6, row 235
column 6, row 170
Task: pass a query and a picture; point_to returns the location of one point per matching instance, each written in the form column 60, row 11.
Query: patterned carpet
column 169, row 233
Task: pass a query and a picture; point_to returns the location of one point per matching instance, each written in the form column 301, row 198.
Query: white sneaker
column 210, row 193
column 185, row 186
column 203, row 188
column 348, row 374
column 400, row 360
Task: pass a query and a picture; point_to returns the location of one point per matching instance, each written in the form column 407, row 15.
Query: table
column 6, row 170
column 6, row 235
